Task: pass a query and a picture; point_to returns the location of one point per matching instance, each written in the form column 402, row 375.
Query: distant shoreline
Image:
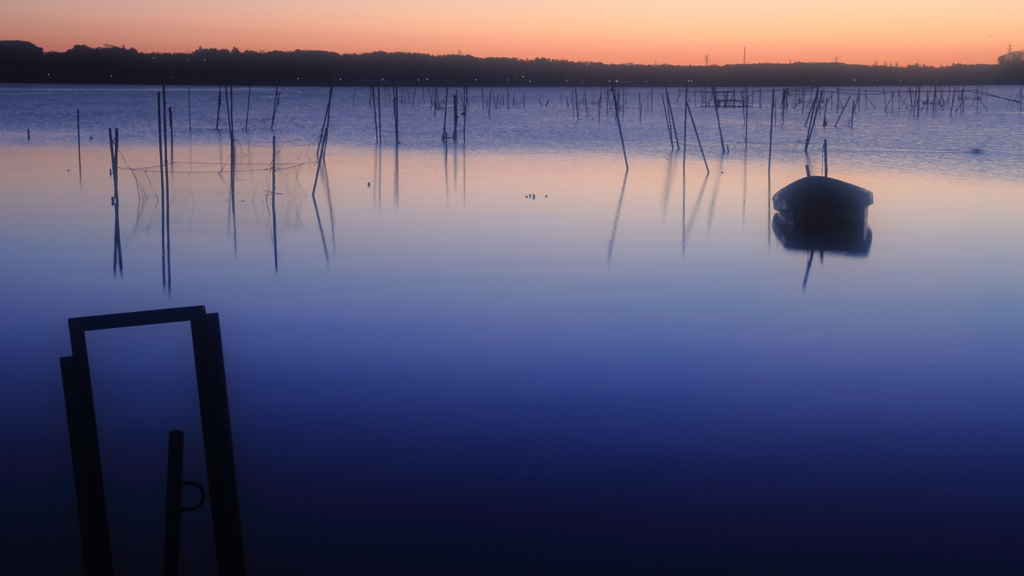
column 23, row 62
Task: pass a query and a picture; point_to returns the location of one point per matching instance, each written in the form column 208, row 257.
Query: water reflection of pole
column 273, row 193
column 464, row 163
column 396, row 176
column 743, row 220
column 807, row 272
column 714, row 193
column 618, row 212
column 78, row 128
column 688, row 226
column 446, row 201
column 684, row 193
column 116, row 201
column 455, row 167
column 330, row 207
column 376, row 178
column 668, row 186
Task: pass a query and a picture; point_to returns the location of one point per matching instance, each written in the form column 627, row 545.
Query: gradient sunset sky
column 675, row 32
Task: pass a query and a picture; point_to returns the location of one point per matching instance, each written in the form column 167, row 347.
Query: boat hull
column 822, row 201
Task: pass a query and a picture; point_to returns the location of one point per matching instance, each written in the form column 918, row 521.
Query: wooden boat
column 822, row 201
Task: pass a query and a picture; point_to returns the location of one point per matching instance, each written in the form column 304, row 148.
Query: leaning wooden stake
column 277, row 100
column 672, row 119
column 622, row 140
column 217, row 127
column 695, row 133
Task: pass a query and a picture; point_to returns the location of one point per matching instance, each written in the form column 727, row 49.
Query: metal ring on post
column 202, row 496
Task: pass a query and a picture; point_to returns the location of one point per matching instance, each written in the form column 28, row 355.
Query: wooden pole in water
column 455, row 116
column 812, row 117
column 229, row 100
column 771, row 135
column 115, row 201
column 277, row 100
column 189, row 108
column 721, row 138
column 321, row 149
column 217, row 127
column 465, row 115
column 444, row 123
column 118, row 258
column 672, row 118
column 380, row 115
column 113, row 163
column 622, row 139
column 695, row 133
column 668, row 126
column 394, row 103
column 373, row 105
column 248, row 99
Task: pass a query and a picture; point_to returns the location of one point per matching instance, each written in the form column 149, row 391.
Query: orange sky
column 676, row 32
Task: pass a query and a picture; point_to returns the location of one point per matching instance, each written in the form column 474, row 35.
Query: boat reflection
column 818, row 215
column 846, row 240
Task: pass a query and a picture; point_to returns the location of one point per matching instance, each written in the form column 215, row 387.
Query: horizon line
column 459, row 53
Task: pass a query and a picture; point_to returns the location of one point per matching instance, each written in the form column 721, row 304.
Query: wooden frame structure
column 216, row 425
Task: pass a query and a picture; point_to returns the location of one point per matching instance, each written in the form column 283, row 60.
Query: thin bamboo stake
column 771, row 135
column 721, row 137
column 394, row 102
column 622, row 139
column 695, row 133
column 248, row 99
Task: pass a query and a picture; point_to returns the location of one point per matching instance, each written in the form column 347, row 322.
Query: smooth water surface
column 509, row 355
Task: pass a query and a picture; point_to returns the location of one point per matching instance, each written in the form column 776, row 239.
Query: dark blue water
column 514, row 358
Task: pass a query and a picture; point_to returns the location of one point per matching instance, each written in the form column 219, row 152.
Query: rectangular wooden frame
column 216, row 425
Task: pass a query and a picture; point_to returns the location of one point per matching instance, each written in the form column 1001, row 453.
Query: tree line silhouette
column 25, row 62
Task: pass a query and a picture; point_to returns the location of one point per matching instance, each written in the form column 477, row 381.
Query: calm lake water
column 511, row 356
